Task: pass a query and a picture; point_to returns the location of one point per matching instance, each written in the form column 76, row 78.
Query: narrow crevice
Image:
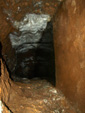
column 33, row 50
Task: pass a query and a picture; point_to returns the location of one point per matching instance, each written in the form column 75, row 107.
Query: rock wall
column 69, row 41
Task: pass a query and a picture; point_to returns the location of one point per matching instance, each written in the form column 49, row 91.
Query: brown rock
column 69, row 42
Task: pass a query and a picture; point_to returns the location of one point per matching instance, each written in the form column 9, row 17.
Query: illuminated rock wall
column 69, row 41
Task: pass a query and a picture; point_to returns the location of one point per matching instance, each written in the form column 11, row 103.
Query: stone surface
column 35, row 96
column 69, row 41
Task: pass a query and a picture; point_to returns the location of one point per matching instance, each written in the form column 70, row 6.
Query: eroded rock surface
column 35, row 96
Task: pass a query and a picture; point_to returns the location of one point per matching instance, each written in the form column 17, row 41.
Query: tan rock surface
column 69, row 41
column 36, row 96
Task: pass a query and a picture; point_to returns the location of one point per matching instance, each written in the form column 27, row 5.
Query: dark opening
column 35, row 61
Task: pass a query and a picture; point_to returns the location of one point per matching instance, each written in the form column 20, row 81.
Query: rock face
column 37, row 96
column 69, row 41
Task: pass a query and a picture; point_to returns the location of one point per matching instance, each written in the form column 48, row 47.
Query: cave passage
column 34, row 51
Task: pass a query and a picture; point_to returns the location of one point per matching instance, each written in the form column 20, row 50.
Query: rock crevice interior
column 42, row 53
column 33, row 48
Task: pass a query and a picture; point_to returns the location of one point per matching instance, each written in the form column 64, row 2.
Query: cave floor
column 37, row 96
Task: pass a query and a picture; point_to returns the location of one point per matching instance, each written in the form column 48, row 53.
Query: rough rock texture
column 35, row 96
column 69, row 41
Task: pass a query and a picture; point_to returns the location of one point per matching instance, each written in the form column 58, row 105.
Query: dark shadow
column 3, row 60
column 0, row 56
column 45, row 67
column 37, row 61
